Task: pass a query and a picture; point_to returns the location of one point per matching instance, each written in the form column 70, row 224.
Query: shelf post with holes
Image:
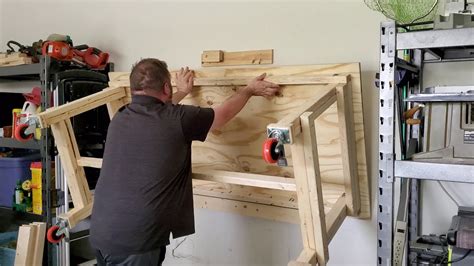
column 386, row 144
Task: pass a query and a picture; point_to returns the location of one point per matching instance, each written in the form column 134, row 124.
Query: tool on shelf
column 455, row 103
column 33, row 51
column 61, row 48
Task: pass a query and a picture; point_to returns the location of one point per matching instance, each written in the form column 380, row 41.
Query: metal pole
column 388, row 54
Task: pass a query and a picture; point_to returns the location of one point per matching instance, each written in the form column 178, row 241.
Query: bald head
column 149, row 74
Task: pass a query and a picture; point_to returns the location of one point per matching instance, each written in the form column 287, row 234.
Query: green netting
column 405, row 11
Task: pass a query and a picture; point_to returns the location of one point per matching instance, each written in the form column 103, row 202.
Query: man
column 144, row 192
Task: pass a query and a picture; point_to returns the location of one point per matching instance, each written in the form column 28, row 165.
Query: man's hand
column 259, row 87
column 232, row 106
column 184, row 80
column 184, row 84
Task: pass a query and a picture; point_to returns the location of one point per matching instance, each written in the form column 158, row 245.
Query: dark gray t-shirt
column 145, row 189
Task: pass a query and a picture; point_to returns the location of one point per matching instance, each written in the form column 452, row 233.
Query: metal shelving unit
column 13, row 143
column 41, row 72
column 445, row 46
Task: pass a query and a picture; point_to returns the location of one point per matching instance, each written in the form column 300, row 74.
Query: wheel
column 269, row 154
column 20, row 133
column 51, row 235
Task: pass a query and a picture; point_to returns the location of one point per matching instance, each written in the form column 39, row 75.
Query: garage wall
column 1, row 32
column 301, row 32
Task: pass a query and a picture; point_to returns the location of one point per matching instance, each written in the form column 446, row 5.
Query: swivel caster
column 273, row 147
column 53, row 236
column 20, row 133
column 269, row 154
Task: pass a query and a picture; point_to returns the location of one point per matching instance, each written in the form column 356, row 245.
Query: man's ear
column 168, row 90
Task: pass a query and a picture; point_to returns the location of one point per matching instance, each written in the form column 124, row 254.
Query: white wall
column 301, row 32
column 1, row 21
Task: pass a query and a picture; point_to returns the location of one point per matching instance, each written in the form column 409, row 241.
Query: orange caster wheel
column 51, row 235
column 269, row 154
column 20, row 133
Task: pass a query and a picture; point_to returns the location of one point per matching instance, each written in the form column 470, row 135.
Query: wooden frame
column 318, row 206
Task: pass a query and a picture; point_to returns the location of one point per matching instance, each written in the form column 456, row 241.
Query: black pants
column 150, row 258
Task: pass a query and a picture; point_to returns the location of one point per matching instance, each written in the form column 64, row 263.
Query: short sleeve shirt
column 144, row 191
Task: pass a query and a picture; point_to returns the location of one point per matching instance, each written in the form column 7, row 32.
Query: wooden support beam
column 317, row 106
column 66, row 111
column 90, row 162
column 221, row 58
column 123, row 80
column 348, row 148
column 309, row 189
column 67, row 148
column 258, row 210
column 77, row 214
column 245, row 179
column 336, row 216
column 315, row 189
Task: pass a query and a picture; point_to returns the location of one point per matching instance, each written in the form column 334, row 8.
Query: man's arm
column 232, row 106
column 184, row 84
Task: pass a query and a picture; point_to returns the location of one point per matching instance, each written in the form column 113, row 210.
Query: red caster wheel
column 269, row 154
column 51, row 235
column 20, row 133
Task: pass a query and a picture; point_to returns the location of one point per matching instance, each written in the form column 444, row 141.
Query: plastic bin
column 11, row 170
column 7, row 254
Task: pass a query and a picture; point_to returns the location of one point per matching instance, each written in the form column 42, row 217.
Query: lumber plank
column 314, row 186
column 277, row 198
column 56, row 114
column 256, row 57
column 304, row 200
column 123, row 81
column 336, row 216
column 258, row 210
column 39, row 243
column 213, row 56
column 246, row 179
column 15, row 61
column 348, row 148
column 90, row 162
column 25, row 245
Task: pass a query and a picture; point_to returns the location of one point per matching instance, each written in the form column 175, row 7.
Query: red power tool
column 58, row 50
column 91, row 56
column 82, row 55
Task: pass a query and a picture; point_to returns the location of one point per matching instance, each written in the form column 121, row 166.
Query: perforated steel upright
column 386, row 155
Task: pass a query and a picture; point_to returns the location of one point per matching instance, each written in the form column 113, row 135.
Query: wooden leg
column 348, row 148
column 77, row 182
column 75, row 215
column 309, row 190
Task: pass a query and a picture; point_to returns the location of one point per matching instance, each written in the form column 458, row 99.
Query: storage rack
column 42, row 72
column 450, row 45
